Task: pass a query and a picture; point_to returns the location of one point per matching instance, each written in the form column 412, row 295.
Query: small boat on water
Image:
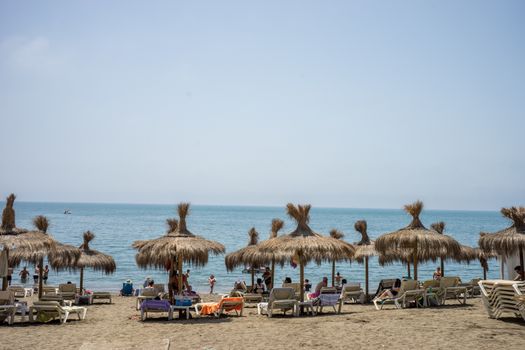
column 67, row 211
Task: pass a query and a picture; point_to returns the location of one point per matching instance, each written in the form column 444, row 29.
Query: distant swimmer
column 67, row 211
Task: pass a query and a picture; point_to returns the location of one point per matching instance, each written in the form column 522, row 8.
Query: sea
column 116, row 226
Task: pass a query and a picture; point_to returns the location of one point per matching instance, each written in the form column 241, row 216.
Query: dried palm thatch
column 508, row 241
column 249, row 255
column 365, row 247
column 304, row 245
column 12, row 237
column 417, row 240
column 68, row 254
column 178, row 246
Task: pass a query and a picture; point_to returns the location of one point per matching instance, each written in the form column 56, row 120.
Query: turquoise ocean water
column 117, row 225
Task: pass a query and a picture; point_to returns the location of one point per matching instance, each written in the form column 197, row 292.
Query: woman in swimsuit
column 390, row 293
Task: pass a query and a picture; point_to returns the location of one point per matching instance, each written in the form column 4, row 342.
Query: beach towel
column 151, row 304
column 328, row 299
column 210, row 308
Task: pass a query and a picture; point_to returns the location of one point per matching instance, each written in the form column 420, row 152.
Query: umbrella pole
column 81, row 280
column 484, row 273
column 179, row 263
column 366, row 278
column 521, row 260
column 170, row 274
column 442, row 267
column 4, row 280
column 301, row 277
column 333, row 273
column 273, row 274
column 408, row 269
column 253, row 278
column 40, row 282
column 415, row 265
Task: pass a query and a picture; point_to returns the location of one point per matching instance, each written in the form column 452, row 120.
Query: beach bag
column 182, row 302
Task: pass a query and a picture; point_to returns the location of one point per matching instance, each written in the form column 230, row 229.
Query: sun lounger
column 146, row 294
column 472, row 287
column 155, row 306
column 499, row 297
column 521, row 304
column 225, row 305
column 7, row 306
column 328, row 297
column 408, row 291
column 296, row 287
column 53, row 309
column 384, row 284
column 49, row 290
column 53, row 297
column 101, row 296
column 449, row 289
column 352, row 292
column 283, row 299
column 68, row 291
column 19, row 291
column 252, row 298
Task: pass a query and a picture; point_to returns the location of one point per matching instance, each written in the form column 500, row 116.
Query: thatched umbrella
column 12, row 237
column 245, row 255
column 176, row 247
column 364, row 249
column 88, row 258
column 422, row 243
column 334, row 233
column 36, row 256
column 508, row 241
column 304, row 245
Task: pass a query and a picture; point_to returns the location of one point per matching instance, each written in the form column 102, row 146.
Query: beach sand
column 117, row 326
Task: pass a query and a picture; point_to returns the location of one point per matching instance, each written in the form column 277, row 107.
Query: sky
column 362, row 104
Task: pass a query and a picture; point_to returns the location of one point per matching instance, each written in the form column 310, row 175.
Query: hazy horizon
column 339, row 104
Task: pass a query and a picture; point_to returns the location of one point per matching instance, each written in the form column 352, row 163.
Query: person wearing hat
column 146, row 282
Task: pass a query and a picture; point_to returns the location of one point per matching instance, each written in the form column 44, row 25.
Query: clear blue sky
column 334, row 103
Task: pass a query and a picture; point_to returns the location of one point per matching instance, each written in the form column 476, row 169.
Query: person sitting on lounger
column 150, row 284
column 307, row 285
column 520, row 276
column 390, row 293
column 259, row 287
column 287, row 280
column 320, row 285
column 437, row 274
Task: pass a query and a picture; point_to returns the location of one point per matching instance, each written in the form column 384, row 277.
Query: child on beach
column 437, row 274
column 212, row 282
column 338, row 279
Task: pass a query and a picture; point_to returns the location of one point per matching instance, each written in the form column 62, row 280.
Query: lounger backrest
column 281, row 294
column 296, row 286
column 148, row 292
column 408, row 285
column 347, row 288
column 328, row 290
column 447, row 282
column 159, row 288
column 431, row 283
column 46, row 303
column 6, row 297
column 67, row 288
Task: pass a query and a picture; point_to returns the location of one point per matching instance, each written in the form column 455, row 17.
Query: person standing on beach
column 23, row 275
column 45, row 274
column 520, row 276
column 338, row 279
column 437, row 274
column 212, row 281
column 35, row 275
column 9, row 275
column 267, row 277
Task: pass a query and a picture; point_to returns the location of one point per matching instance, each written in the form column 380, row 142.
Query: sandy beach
column 117, row 326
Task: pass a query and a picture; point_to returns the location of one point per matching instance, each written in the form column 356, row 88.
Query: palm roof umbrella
column 64, row 252
column 12, row 237
column 242, row 255
column 364, row 249
column 508, row 241
column 88, row 258
column 422, row 243
column 304, row 245
column 334, row 233
column 177, row 246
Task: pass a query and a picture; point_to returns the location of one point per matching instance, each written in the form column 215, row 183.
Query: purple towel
column 163, row 305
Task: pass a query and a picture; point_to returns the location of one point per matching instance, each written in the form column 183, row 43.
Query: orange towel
column 210, row 308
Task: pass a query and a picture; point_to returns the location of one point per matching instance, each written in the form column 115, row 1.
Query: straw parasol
column 12, row 237
column 364, row 249
column 247, row 255
column 58, row 250
column 178, row 245
column 422, row 243
column 88, row 258
column 334, row 233
column 304, row 245
column 508, row 241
